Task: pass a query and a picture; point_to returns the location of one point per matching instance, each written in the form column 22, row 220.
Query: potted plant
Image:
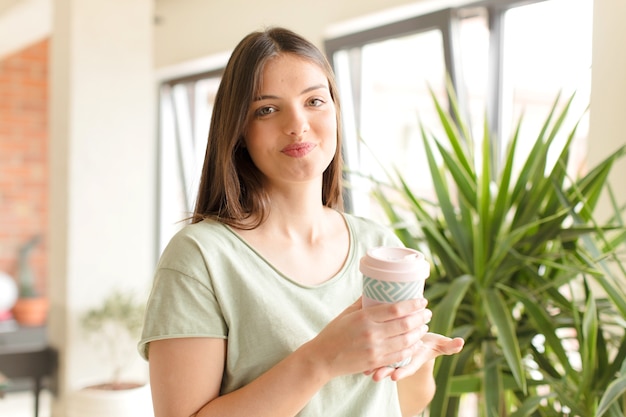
column 114, row 327
column 519, row 269
column 31, row 307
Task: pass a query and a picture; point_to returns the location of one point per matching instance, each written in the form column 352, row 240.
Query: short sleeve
column 182, row 302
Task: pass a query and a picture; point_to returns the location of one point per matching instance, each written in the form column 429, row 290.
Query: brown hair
column 230, row 188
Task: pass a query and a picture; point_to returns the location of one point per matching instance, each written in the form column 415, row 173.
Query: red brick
column 23, row 156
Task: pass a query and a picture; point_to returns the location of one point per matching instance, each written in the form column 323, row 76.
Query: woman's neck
column 297, row 212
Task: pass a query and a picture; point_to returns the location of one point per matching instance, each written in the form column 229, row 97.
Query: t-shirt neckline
column 342, row 271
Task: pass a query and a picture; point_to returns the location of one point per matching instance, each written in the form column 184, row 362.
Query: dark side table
column 25, row 354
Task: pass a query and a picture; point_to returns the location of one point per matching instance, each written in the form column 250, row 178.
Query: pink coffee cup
column 393, row 274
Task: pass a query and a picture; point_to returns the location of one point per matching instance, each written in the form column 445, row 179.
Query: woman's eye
column 316, row 102
column 264, row 111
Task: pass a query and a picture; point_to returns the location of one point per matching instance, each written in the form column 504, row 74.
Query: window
column 503, row 57
column 185, row 111
column 385, row 105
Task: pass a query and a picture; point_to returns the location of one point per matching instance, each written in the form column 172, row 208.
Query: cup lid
column 395, row 263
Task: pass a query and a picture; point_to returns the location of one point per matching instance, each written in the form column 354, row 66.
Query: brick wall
column 24, row 158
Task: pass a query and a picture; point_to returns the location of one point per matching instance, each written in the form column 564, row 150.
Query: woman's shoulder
column 371, row 231
column 204, row 230
column 206, row 236
column 365, row 223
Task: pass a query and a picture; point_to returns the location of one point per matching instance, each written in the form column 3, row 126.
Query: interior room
column 104, row 111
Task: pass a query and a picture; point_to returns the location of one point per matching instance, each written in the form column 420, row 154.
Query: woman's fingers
column 414, row 350
column 399, row 326
column 432, row 346
column 442, row 344
column 385, row 312
column 373, row 337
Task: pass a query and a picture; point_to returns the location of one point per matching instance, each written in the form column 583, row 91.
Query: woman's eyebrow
column 314, row 87
column 306, row 90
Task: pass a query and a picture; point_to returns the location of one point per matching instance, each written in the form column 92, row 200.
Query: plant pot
column 97, row 402
column 31, row 311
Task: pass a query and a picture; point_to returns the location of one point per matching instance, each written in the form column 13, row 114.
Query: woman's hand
column 360, row 339
column 427, row 349
column 432, row 345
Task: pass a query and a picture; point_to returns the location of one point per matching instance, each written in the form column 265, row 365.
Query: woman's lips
column 298, row 150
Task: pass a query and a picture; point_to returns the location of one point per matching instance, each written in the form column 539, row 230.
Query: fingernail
column 428, row 314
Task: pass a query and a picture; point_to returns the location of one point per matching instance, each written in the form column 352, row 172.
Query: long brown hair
column 230, row 187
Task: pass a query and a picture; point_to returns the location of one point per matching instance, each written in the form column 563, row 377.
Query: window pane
column 545, row 53
column 184, row 123
column 474, row 55
column 395, row 75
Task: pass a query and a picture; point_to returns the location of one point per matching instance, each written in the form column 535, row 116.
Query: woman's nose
column 297, row 123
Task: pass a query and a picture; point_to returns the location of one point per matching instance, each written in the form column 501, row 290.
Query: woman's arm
column 178, row 388
column 186, row 374
column 417, row 390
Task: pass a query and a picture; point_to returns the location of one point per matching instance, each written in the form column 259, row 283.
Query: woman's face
column 292, row 130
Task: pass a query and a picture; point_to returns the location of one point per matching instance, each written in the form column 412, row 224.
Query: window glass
column 185, row 114
column 474, row 59
column 544, row 54
column 516, row 66
column 393, row 97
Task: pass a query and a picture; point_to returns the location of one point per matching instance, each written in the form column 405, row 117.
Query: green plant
column 520, row 271
column 25, row 275
column 114, row 326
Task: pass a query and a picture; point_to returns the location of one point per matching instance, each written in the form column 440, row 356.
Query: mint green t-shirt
column 211, row 283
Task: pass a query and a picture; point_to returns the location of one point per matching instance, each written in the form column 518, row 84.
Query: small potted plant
column 114, row 327
column 31, row 307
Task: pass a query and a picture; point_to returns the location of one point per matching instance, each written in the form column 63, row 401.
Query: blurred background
column 104, row 111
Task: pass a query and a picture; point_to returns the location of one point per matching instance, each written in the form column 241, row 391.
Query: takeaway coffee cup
column 393, row 274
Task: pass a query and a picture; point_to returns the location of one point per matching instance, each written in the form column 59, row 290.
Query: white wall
column 24, row 23
column 188, row 29
column 102, row 173
column 607, row 117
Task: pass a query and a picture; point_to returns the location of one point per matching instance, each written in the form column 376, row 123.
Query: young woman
column 255, row 308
